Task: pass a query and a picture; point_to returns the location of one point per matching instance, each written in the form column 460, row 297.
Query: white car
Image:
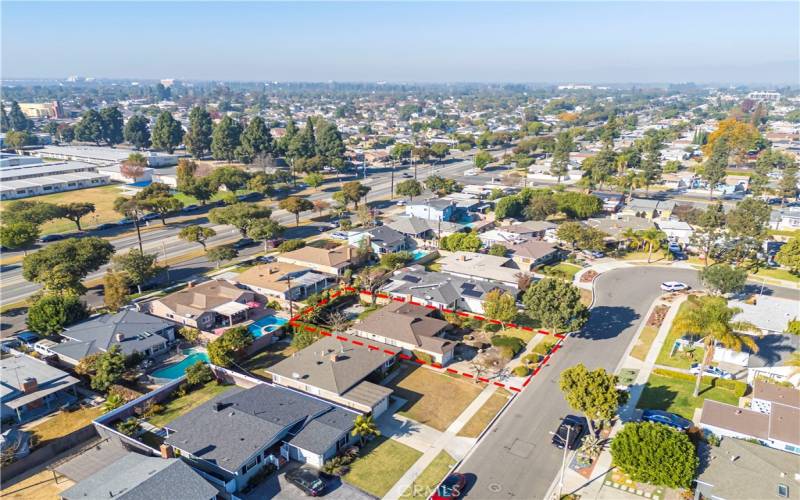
column 674, row 286
column 711, row 371
column 401, row 203
column 470, row 172
column 339, row 235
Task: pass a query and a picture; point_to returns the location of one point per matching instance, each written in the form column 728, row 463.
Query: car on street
column 666, row 418
column 674, row 286
column 248, row 197
column 191, row 208
column 569, row 432
column 124, row 222
column 406, row 174
column 711, row 371
column 339, row 235
column 51, row 237
column 453, row 486
column 244, row 242
column 401, row 203
column 266, row 259
column 103, row 227
column 308, row 480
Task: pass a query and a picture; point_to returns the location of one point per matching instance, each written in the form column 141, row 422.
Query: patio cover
column 230, row 308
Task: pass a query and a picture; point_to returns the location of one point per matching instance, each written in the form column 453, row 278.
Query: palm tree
column 712, row 319
column 652, row 239
column 364, row 427
column 794, row 362
column 631, row 238
column 113, row 401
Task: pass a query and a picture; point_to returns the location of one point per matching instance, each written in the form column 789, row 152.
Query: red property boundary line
column 295, row 322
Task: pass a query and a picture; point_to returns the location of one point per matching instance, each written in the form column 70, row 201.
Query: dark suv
column 569, row 432
column 308, row 480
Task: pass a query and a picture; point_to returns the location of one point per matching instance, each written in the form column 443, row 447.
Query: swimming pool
column 266, row 324
column 418, row 254
column 178, row 369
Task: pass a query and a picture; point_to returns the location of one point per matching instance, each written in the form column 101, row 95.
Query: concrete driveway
column 276, row 486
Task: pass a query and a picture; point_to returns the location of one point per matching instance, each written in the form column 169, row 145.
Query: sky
column 579, row 42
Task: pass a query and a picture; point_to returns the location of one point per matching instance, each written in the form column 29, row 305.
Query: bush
column 424, row 357
column 129, row 427
column 514, row 344
column 199, row 373
column 738, row 387
column 522, row 371
column 189, row 333
column 532, row 358
column 290, row 245
column 396, row 259
column 655, row 454
column 51, row 313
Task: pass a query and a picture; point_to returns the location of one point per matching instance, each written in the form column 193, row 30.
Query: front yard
column 678, row 359
column 675, row 395
column 561, row 270
column 433, row 399
column 382, row 463
column 183, row 404
column 644, row 342
column 63, row 423
column 423, row 485
column 484, row 415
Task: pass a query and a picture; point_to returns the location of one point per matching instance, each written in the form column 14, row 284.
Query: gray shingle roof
column 15, row 369
column 322, row 432
column 440, row 287
column 138, row 477
column 384, row 236
column 99, row 333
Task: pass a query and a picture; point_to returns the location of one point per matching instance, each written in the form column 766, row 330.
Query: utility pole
column 166, row 264
column 391, row 189
column 289, row 290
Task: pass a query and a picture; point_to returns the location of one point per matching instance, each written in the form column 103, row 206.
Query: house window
column 783, row 491
column 249, row 465
column 342, row 442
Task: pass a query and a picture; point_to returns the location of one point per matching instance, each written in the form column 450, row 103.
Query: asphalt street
column 516, row 459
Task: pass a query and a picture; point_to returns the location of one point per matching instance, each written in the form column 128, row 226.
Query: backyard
column 423, row 485
column 675, row 395
column 484, row 415
column 183, row 404
column 433, row 399
column 381, row 464
column 63, row 423
column 272, row 355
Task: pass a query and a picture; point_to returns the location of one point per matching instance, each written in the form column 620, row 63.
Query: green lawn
column 781, row 274
column 268, row 357
column 644, row 342
column 63, row 423
column 675, row 395
column 680, row 359
column 563, row 269
column 524, row 335
column 190, row 401
column 381, row 464
column 191, row 200
column 430, row 478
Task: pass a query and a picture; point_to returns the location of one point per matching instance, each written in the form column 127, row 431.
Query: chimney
column 29, row 385
column 334, row 357
column 167, row 451
column 190, row 284
column 119, row 337
column 218, row 406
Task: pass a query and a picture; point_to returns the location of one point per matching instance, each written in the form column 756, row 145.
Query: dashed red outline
column 294, row 321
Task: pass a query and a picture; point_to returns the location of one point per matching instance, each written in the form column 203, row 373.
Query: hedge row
column 738, row 387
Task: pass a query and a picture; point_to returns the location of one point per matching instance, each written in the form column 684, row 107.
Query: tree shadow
column 657, row 397
column 607, row 322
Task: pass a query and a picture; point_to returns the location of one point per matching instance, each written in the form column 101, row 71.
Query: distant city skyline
column 593, row 43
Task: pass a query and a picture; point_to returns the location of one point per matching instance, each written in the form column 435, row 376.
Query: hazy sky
column 524, row 42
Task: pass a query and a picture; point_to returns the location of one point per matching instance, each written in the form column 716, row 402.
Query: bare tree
column 338, row 321
column 370, row 280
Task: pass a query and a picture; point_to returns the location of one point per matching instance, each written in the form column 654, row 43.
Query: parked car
column 471, row 172
column 152, row 216
column 244, row 242
column 124, row 222
column 674, row 247
column 711, row 371
column 339, row 235
column 308, row 480
column 191, row 208
column 679, row 255
column 452, row 487
column 569, row 432
column 666, row 418
column 9, row 343
column 103, row 227
column 406, row 175
column 51, row 237
column 248, row 197
column 401, row 203
column 674, row 286
column 593, row 254
column 266, row 259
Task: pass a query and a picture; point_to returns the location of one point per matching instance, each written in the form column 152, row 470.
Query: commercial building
column 28, row 179
column 104, row 156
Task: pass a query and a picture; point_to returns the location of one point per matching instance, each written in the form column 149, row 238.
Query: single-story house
column 325, row 260
column 203, row 305
column 772, row 418
column 679, row 180
column 131, row 330
column 424, row 231
column 336, row 370
column 136, row 476
column 284, row 281
column 785, row 219
column 676, row 230
column 432, row 209
column 531, row 229
column 531, row 254
column 612, row 202
column 409, row 327
column 480, row 266
column 234, row 435
column 382, row 239
column 500, row 237
column 30, row 388
column 649, row 209
column 442, row 290
column 615, row 227
column 770, row 314
column 739, row 469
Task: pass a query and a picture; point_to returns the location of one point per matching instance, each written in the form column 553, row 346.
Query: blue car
column 28, row 338
column 667, row 418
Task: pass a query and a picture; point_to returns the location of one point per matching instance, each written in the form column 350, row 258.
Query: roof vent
column 218, row 406
column 295, row 375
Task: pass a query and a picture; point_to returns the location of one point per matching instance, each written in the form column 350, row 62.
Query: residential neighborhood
column 413, row 279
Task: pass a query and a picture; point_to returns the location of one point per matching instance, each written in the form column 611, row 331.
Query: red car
column 451, row 487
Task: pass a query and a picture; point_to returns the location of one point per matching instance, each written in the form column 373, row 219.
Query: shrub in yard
column 189, row 333
column 531, row 359
column 129, row 427
column 522, row 371
column 290, row 245
column 424, row 356
column 396, row 259
column 199, row 373
column 655, row 454
column 513, row 344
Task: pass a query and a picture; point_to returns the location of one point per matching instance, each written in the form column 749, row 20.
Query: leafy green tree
column 296, row 205
column 560, row 162
column 223, row 350
column 139, row 267
column 163, row 205
column 115, row 290
column 747, row 226
column 501, row 306
column 354, row 191
column 74, row 257
column 401, row 151
column 570, row 232
column 651, row 160
column 365, row 428
column 714, row 169
column 198, row 137
column 593, row 393
column 137, row 132
column 302, row 144
column 112, row 125
column 440, row 150
column 51, row 313
column 131, row 209
column 466, row 242
column 723, row 279
column 410, row 188
column 508, row 207
column 133, row 167
column 265, row 230
column 17, row 140
column 90, row 127
column 556, row 304
column 255, row 140
column 653, row 240
column 112, row 402
column 232, row 178
column 5, row 121
column 197, row 234
column 19, row 235
column 578, row 205
column 498, row 250
column 199, row 374
column 291, row 245
column 541, row 207
column 789, row 255
column 708, row 230
column 221, row 253
column 109, row 368
column 167, row 132
column 396, row 260
column 314, row 179
column 17, row 120
column 441, row 185
column 66, row 133
column 711, row 319
column 130, row 426
column 239, row 215
column 482, row 159
column 75, row 211
column 787, row 186
column 330, row 145
column 655, row 454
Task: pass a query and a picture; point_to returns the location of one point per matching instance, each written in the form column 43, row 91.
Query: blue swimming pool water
column 418, row 254
column 178, row 369
column 268, row 323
